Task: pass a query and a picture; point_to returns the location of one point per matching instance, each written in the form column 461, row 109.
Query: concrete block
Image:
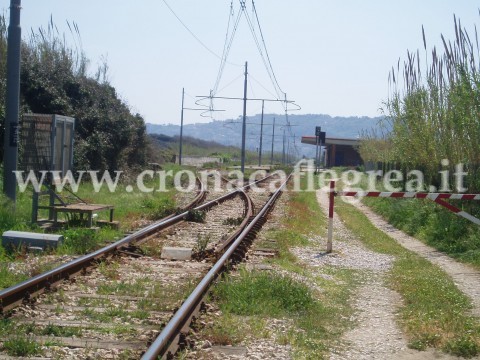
column 30, row 240
column 176, row 253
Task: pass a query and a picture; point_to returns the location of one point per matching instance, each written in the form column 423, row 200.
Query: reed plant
column 432, row 112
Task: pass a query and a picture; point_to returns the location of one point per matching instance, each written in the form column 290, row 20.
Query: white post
column 330, row 216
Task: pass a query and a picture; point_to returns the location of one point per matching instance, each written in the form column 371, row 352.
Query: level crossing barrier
column 438, row 198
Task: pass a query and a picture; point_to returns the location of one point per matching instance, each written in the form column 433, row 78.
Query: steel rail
column 171, row 332
column 219, row 249
column 16, row 294
column 24, row 291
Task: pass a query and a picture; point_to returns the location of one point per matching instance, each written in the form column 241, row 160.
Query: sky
column 329, row 56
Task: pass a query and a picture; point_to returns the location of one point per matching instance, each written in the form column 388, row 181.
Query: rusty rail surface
column 171, row 337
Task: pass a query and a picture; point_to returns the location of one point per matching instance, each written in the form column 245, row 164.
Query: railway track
column 126, row 294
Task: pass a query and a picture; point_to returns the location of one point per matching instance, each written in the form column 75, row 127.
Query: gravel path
column 376, row 334
column 465, row 277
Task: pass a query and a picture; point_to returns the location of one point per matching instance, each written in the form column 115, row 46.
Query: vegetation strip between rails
column 311, row 304
column 165, row 340
column 434, row 312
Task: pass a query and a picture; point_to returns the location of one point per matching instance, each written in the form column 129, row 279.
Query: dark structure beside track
column 340, row 151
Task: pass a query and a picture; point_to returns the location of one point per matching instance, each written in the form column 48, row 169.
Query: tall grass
column 433, row 110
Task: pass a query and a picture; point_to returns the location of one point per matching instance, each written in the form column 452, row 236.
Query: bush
column 159, row 208
column 79, row 241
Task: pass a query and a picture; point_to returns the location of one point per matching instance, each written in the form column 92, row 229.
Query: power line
column 231, row 82
column 259, row 48
column 259, row 83
column 265, row 46
column 191, row 33
column 226, row 46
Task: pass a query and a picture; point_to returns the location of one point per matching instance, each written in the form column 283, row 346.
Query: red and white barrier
column 439, row 198
column 410, row 195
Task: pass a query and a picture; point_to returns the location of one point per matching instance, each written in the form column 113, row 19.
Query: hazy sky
column 331, row 57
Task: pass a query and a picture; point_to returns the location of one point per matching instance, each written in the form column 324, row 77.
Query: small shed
column 339, row 151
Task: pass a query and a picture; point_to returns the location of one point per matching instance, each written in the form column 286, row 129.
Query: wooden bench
column 88, row 209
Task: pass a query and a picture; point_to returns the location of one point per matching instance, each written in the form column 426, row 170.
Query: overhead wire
column 251, row 89
column 259, row 48
column 194, row 36
column 226, row 50
column 265, row 47
column 259, row 83
column 231, row 82
column 226, row 46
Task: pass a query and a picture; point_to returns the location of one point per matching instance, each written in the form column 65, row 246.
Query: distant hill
column 164, row 148
column 229, row 132
column 202, row 147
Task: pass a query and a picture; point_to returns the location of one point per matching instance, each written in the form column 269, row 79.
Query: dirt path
column 465, row 277
column 376, row 334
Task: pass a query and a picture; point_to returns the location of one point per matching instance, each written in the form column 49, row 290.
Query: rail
column 167, row 340
column 24, row 291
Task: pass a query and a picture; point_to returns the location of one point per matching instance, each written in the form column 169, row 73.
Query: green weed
column 435, row 313
column 196, row 216
column 9, row 278
column 79, row 241
column 158, row 208
column 21, row 346
column 60, row 331
column 263, row 294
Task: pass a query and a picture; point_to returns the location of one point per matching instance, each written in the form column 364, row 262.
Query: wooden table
column 88, row 209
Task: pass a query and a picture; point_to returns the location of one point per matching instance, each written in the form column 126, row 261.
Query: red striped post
column 330, row 216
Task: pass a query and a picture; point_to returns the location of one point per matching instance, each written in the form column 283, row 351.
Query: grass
column 138, row 288
column 304, row 219
column 434, row 312
column 305, row 216
column 21, row 345
column 129, row 209
column 158, row 208
column 434, row 225
column 9, row 278
column 228, row 329
column 113, row 312
column 255, row 293
column 60, row 331
column 249, row 299
column 109, row 269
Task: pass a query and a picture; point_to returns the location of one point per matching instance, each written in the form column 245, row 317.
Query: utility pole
column 283, row 149
column 273, row 141
column 288, row 150
column 181, row 130
column 12, row 101
column 244, row 125
column 180, row 150
column 261, row 137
